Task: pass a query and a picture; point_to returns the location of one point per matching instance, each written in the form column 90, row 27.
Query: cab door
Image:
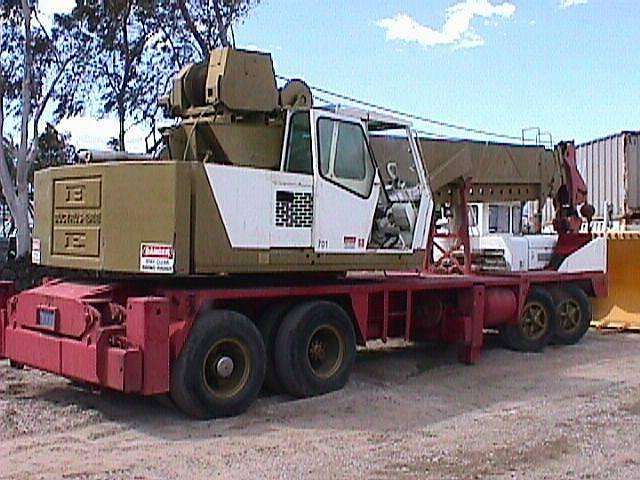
column 346, row 184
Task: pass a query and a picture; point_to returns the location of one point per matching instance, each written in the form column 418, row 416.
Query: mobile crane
column 252, row 252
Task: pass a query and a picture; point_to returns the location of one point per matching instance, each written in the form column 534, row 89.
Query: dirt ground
column 571, row 412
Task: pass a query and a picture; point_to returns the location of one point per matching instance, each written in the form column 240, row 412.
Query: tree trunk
column 122, row 133
column 7, row 183
column 184, row 11
column 21, row 213
column 23, row 229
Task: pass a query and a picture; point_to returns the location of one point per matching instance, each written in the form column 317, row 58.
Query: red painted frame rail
column 124, row 336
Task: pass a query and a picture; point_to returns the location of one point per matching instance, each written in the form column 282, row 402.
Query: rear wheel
column 16, row 365
column 315, row 349
column 221, row 368
column 268, row 326
column 536, row 325
column 574, row 315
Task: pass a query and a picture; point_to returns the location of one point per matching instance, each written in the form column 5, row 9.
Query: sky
column 569, row 67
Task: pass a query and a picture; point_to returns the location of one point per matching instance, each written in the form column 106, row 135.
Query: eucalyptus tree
column 31, row 72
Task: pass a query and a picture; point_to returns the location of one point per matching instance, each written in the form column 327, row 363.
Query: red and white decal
column 157, row 258
column 349, row 243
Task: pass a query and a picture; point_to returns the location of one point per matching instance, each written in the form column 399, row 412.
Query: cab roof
column 374, row 120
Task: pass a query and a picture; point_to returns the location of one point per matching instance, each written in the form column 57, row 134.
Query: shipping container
column 610, row 167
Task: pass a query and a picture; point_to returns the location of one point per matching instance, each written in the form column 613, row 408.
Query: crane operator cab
column 361, row 201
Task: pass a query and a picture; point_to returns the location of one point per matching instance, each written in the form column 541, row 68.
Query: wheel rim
column 325, row 351
column 535, row 321
column 226, row 368
column 569, row 316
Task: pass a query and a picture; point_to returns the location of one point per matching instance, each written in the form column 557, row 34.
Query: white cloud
column 457, row 29
column 572, row 3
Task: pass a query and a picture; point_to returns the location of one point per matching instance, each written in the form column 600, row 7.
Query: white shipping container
column 611, row 169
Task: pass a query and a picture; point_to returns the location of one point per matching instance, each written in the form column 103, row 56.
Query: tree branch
column 26, row 96
column 48, row 95
column 184, row 10
column 222, row 28
column 110, row 77
column 52, row 45
column 127, row 50
column 172, row 45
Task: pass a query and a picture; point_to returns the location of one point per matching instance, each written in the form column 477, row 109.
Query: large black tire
column 221, row 368
column 573, row 313
column 268, row 325
column 536, row 326
column 315, row 349
column 16, row 365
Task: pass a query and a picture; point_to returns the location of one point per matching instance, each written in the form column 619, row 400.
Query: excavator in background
column 272, row 236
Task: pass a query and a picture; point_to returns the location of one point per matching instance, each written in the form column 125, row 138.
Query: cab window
column 499, row 217
column 473, row 215
column 299, row 159
column 516, row 220
column 344, row 156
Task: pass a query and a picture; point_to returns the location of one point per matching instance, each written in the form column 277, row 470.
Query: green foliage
column 192, row 28
column 134, row 49
column 54, row 149
column 12, row 51
column 112, row 56
column 117, row 76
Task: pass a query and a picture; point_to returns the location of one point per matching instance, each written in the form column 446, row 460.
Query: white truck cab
column 499, row 229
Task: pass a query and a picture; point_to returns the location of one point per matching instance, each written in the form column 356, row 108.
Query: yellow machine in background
column 610, row 167
column 621, row 309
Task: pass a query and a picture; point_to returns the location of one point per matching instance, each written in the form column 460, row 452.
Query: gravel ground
column 572, row 412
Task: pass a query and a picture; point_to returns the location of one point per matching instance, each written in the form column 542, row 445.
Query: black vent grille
column 294, row 209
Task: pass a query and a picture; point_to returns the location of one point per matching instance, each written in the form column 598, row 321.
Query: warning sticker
column 157, row 258
column 35, row 251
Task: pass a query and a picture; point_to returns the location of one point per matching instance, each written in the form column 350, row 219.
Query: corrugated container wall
column 611, row 169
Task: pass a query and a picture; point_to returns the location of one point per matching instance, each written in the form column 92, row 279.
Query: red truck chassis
column 213, row 343
column 126, row 337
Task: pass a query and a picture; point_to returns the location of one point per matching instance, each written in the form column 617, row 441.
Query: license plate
column 47, row 319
